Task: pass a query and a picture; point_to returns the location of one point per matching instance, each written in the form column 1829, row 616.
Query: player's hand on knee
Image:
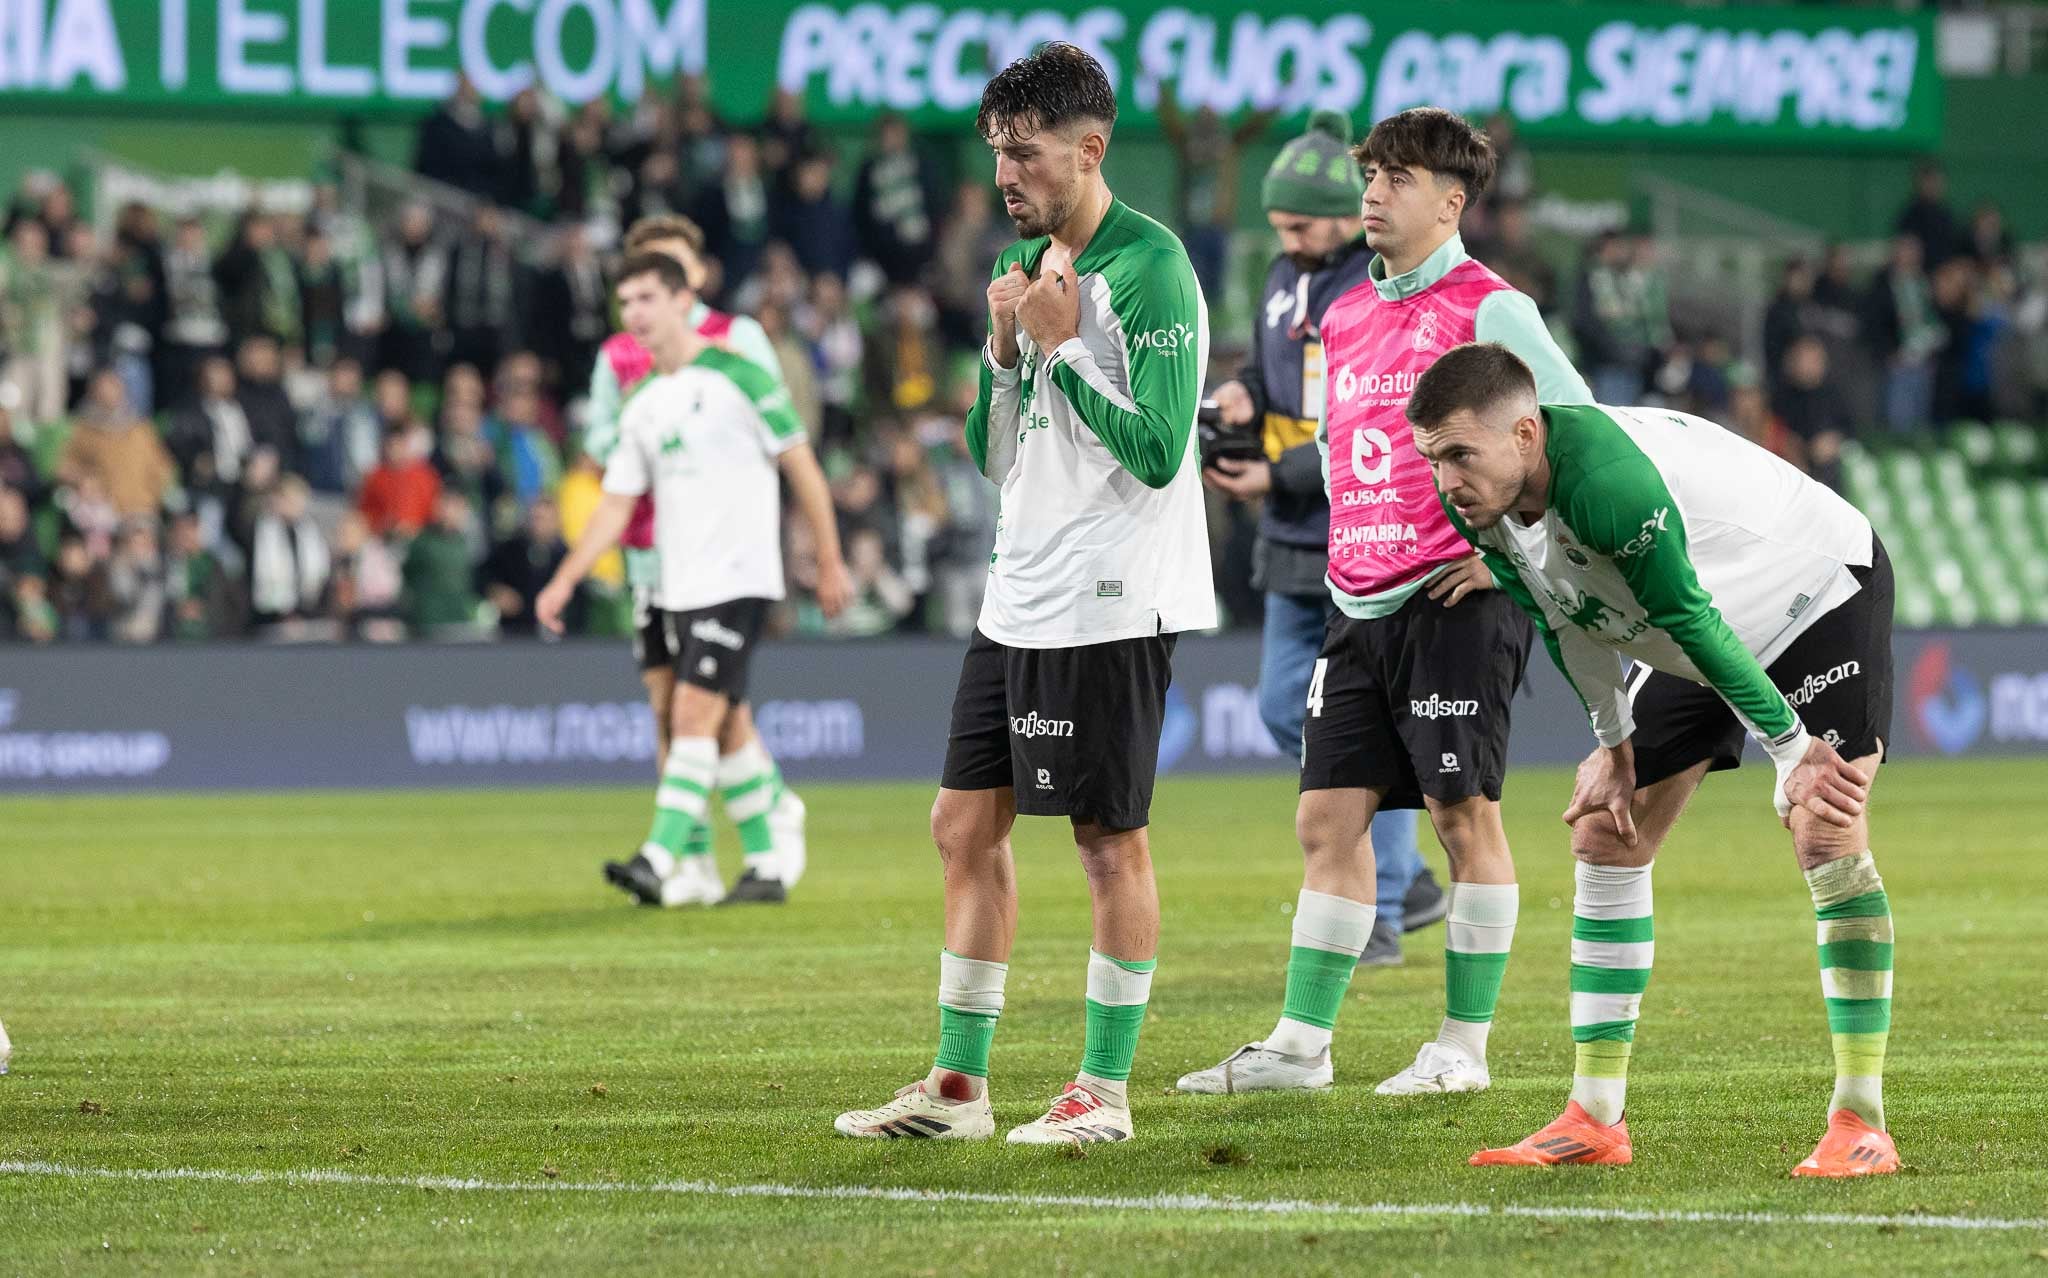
column 1606, row 785
column 1461, row 579
column 1826, row 785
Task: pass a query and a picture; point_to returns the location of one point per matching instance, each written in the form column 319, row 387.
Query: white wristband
column 1786, row 751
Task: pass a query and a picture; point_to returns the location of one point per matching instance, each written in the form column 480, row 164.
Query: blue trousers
column 1287, row 657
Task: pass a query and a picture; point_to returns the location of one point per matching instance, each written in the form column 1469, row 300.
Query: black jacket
column 1295, row 524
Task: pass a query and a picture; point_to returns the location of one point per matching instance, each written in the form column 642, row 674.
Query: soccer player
column 1311, row 196
column 772, row 837
column 706, row 434
column 1409, row 700
column 1751, row 599
column 1097, row 340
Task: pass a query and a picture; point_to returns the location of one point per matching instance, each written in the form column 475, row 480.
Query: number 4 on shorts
column 1315, row 687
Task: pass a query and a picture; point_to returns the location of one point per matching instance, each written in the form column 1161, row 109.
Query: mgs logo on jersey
column 1167, row 341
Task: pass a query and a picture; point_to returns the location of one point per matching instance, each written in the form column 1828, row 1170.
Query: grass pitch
column 389, row 987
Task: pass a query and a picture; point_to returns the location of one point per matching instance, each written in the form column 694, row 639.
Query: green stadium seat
column 1975, row 442
column 2019, row 444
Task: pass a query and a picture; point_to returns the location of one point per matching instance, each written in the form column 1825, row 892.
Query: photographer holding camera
column 1262, row 445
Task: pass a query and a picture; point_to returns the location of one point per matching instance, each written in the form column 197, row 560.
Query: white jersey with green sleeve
column 704, row 440
column 1102, row 534
column 1676, row 543
column 744, row 336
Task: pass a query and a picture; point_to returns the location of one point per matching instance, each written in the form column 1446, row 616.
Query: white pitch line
column 1152, row 1203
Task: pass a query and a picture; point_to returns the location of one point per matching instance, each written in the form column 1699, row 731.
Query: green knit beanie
column 1315, row 174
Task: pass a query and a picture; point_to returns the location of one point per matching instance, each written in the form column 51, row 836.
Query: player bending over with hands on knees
column 1750, row 600
column 710, row 435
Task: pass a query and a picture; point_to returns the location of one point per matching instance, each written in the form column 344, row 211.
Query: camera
column 1219, row 442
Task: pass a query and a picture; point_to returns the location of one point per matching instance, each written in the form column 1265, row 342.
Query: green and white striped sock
column 682, row 798
column 1479, row 929
column 1118, row 990
column 749, row 786
column 1330, row 933
column 970, row 1001
column 1855, row 939
column 1612, row 949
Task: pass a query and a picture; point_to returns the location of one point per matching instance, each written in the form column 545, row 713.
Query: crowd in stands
column 305, row 426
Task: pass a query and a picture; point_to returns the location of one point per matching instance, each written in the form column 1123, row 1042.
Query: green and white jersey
column 705, row 440
column 741, row 334
column 1681, row 545
column 1102, row 534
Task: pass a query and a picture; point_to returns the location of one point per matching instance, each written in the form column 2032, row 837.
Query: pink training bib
column 1386, row 526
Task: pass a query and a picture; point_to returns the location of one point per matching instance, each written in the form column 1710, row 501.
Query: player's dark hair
column 1057, row 86
column 665, row 226
column 1434, row 139
column 1478, row 376
column 671, row 273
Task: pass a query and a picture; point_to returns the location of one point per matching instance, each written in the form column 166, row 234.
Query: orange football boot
column 1852, row 1147
column 1574, row 1137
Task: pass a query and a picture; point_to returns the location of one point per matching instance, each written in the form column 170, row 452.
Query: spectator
column 367, row 583
column 455, row 144
column 409, row 276
column 1957, row 307
column 1513, row 255
column 249, row 498
column 399, row 495
column 258, row 282
column 1927, row 218
column 259, row 387
column 128, row 303
column 1905, row 335
column 785, row 135
column 1749, row 412
column 18, row 468
column 439, row 599
column 324, row 302
column 59, row 216
column 289, row 565
column 32, row 330
column 734, row 211
column 194, row 329
column 582, row 173
column 920, row 505
column 484, row 293
column 80, row 603
column 523, row 141
column 881, row 597
column 799, row 366
column 703, row 142
column 527, row 460
column 571, row 314
column 904, row 357
column 1990, row 240
column 23, row 576
column 122, row 453
column 213, row 424
column 205, row 601
column 1789, row 317
column 1606, row 323
column 135, row 580
column 1206, row 181
column 892, row 204
column 1811, row 411
column 972, row 504
column 968, row 246
column 521, row 564
column 338, row 436
column 831, row 328
column 812, row 222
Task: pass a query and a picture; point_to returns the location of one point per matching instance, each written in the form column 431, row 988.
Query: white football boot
column 1438, row 1069
column 1077, row 1117
column 1258, row 1068
column 916, row 1114
column 695, row 881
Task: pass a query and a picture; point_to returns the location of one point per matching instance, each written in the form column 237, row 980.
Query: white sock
column 663, row 861
column 1109, row 1091
column 1479, row 929
column 1323, row 925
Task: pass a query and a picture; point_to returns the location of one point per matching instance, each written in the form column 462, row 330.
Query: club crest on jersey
column 1425, row 331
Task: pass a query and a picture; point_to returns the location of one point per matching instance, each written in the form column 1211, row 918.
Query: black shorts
column 1837, row 675
column 1416, row 704
column 1074, row 730
column 710, row 648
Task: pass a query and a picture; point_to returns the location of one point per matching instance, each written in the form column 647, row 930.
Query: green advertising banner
column 1819, row 76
